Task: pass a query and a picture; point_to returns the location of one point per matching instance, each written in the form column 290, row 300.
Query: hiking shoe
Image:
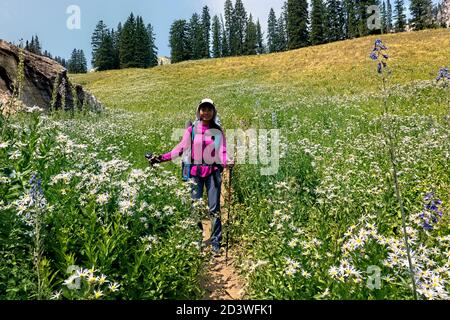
column 216, row 251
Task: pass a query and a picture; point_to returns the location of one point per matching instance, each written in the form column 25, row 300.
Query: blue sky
column 48, row 19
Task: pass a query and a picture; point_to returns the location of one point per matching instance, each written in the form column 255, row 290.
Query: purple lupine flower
column 427, row 226
column 379, row 44
column 377, row 52
column 428, row 196
column 432, row 212
column 443, row 74
column 36, row 193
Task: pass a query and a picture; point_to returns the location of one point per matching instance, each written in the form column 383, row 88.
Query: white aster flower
column 98, row 294
column 113, row 287
column 102, row 198
column 56, row 295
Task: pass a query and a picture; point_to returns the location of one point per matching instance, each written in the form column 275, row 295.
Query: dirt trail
column 222, row 281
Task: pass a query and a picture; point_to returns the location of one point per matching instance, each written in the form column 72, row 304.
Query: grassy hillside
column 336, row 68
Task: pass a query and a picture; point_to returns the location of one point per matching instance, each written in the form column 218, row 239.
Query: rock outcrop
column 444, row 13
column 45, row 82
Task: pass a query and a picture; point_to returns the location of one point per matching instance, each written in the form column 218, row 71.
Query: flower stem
column 38, row 255
column 397, row 188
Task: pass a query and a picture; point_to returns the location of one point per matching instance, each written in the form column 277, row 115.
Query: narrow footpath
column 222, row 281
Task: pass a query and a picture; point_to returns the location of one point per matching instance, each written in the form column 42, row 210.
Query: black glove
column 154, row 160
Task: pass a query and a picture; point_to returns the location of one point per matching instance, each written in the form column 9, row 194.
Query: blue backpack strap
column 217, row 138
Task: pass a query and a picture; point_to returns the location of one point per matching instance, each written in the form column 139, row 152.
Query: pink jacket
column 203, row 150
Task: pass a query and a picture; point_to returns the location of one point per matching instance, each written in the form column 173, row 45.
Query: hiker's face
column 206, row 113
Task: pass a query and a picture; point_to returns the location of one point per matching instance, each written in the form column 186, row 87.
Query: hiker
column 208, row 157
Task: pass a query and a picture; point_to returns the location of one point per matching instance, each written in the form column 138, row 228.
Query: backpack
column 187, row 163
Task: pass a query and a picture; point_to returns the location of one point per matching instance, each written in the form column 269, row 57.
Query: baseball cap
column 207, row 101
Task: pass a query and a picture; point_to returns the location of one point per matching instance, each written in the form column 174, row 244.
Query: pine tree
column 97, row 38
column 229, row 28
column 297, row 24
column 361, row 15
column 240, row 22
column 196, row 37
column 335, row 20
column 63, row 62
column 216, row 38
column 77, row 62
column 259, row 39
column 71, row 66
column 127, row 43
column 105, row 59
column 153, row 47
column 282, row 33
column 83, row 62
column 119, row 30
column 383, row 13
column 317, row 35
column 272, row 36
column 116, row 43
column 435, row 16
column 421, row 14
column 400, row 17
column 350, row 25
column 389, row 17
column 142, row 50
column 179, row 41
column 115, row 36
column 284, row 13
column 251, row 40
column 281, row 39
column 225, row 46
column 37, row 46
column 34, row 46
column 206, row 28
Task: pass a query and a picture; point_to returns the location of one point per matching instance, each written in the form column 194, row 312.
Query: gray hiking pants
column 213, row 184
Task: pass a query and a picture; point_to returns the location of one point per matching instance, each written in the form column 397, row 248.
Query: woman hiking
column 205, row 141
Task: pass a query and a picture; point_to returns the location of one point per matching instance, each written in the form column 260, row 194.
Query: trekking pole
column 228, row 213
